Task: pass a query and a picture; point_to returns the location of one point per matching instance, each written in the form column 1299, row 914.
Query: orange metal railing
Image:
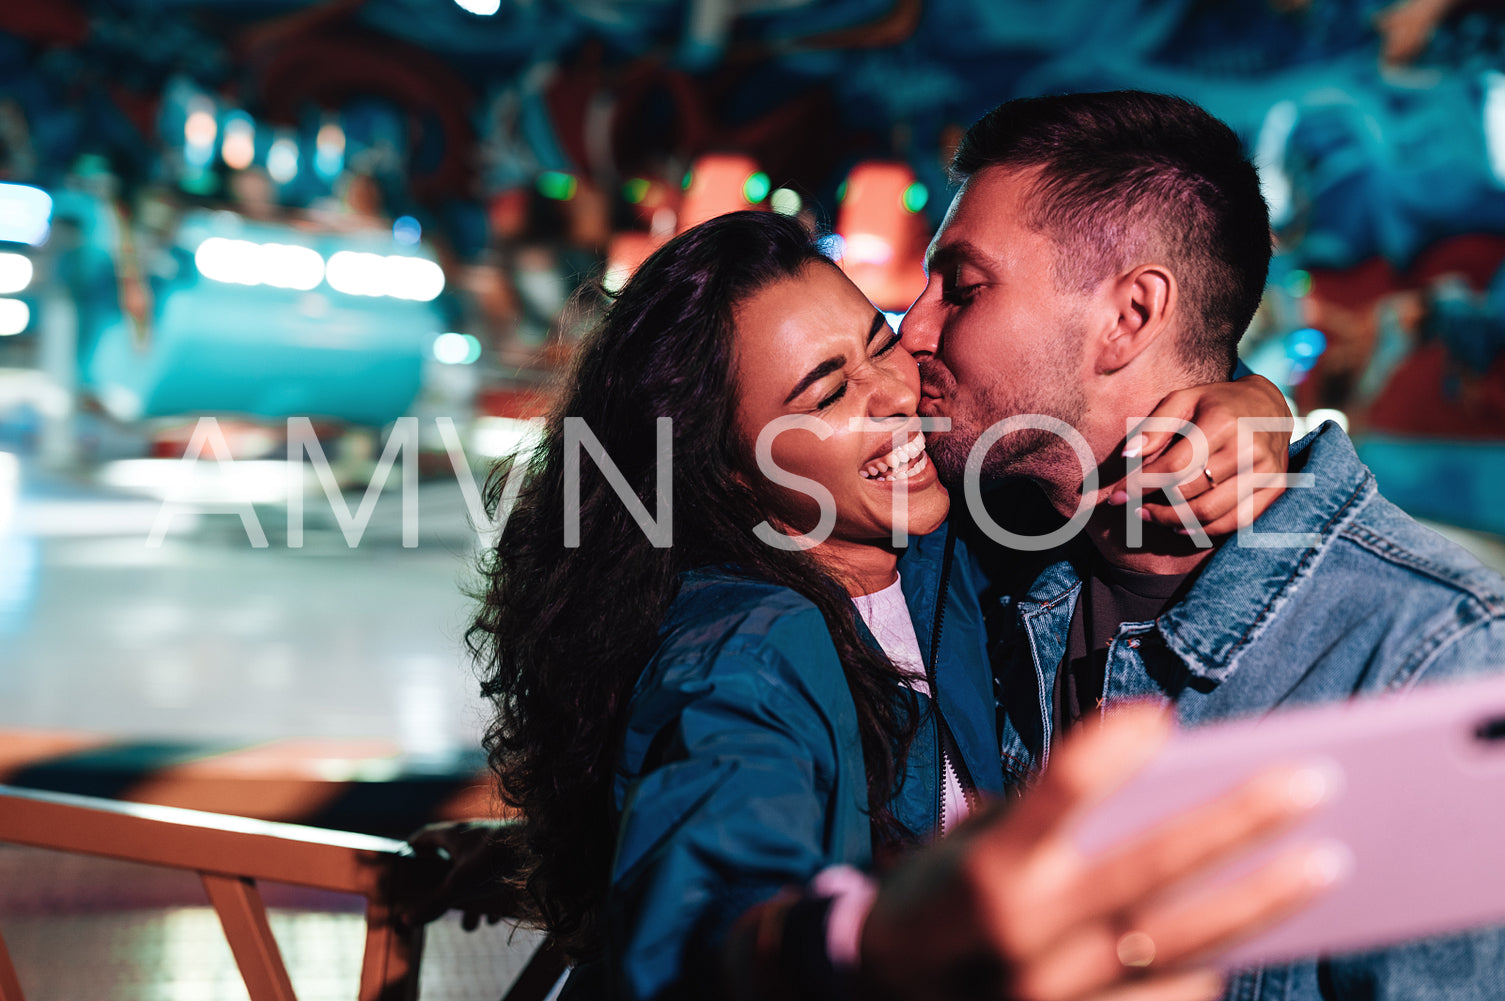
column 230, row 854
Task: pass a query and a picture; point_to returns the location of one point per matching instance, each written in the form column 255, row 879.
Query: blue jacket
column 1372, row 602
column 741, row 770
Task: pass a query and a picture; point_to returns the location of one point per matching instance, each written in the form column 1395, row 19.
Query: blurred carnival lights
column 1494, row 123
column 10, row 488
column 200, row 130
column 239, row 146
column 282, row 160
column 495, row 437
column 485, row 8
column 407, row 231
column 557, row 185
column 1270, row 154
column 15, row 273
column 615, row 278
column 755, row 188
column 915, row 197
column 282, row 265
column 241, row 262
column 25, row 214
column 1316, row 418
column 457, row 349
column 15, row 317
column 329, row 151
column 786, row 201
column 413, row 278
column 868, row 248
column 635, row 189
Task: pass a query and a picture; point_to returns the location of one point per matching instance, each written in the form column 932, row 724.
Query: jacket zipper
column 937, row 722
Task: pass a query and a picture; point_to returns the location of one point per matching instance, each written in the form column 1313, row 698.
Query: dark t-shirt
column 1110, row 597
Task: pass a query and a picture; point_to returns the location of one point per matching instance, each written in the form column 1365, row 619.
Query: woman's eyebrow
column 820, row 371
column 830, row 365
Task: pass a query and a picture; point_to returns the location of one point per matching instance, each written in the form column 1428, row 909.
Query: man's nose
column 920, row 332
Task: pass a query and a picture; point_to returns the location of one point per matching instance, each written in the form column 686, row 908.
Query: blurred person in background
column 712, row 734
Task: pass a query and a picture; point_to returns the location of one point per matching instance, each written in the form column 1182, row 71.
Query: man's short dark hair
column 1128, row 177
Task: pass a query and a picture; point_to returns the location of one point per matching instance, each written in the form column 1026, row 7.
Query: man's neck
column 1161, row 551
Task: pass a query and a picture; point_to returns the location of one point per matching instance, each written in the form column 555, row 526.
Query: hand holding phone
column 1414, row 813
column 1007, row 906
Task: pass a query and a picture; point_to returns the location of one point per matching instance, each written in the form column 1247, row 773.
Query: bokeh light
column 755, row 188
column 457, row 349
column 786, row 201
column 15, row 317
column 15, row 273
column 239, row 146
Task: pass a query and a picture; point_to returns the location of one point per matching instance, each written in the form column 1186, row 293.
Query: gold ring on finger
column 1136, row 949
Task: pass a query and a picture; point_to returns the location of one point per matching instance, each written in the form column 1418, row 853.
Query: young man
column 1104, row 250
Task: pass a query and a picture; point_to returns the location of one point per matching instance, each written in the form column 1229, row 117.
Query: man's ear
column 1145, row 301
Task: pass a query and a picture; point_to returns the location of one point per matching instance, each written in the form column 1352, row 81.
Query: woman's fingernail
column 1134, row 447
column 1143, row 514
column 1118, row 498
column 1327, row 863
column 1309, row 786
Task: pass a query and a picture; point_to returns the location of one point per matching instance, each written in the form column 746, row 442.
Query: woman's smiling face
column 812, row 346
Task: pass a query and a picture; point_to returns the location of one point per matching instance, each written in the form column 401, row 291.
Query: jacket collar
column 920, row 567
column 1246, row 583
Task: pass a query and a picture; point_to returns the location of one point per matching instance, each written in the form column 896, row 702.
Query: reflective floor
column 206, row 637
column 86, row 928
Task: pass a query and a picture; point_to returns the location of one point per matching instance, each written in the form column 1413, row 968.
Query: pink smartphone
column 1419, row 806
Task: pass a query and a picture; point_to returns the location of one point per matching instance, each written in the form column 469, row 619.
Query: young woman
column 719, row 695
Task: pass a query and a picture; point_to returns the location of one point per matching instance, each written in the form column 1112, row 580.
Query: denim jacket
column 741, row 770
column 1371, row 602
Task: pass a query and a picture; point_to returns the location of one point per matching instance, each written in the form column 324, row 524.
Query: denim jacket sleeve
column 742, row 775
column 1473, row 642
column 1464, row 967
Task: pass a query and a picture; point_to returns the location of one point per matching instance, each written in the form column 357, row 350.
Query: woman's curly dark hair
column 565, row 629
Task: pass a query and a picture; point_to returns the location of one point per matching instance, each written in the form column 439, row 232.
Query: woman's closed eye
column 831, row 399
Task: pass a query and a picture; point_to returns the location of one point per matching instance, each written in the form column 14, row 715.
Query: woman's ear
column 1145, row 300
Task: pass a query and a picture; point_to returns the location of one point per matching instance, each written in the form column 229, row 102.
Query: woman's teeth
column 900, row 464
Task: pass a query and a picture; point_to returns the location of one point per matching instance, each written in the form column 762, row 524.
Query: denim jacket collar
column 1245, row 584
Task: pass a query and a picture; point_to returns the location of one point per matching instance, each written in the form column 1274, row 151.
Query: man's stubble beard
column 1044, row 386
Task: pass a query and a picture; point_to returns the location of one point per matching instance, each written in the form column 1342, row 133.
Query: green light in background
column 635, row 191
column 689, row 177
column 786, row 201
column 841, row 191
column 915, row 197
column 199, row 182
column 755, row 188
column 1299, row 283
column 557, row 185
column 457, row 349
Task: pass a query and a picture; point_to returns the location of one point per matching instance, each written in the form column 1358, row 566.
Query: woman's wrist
column 802, row 943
